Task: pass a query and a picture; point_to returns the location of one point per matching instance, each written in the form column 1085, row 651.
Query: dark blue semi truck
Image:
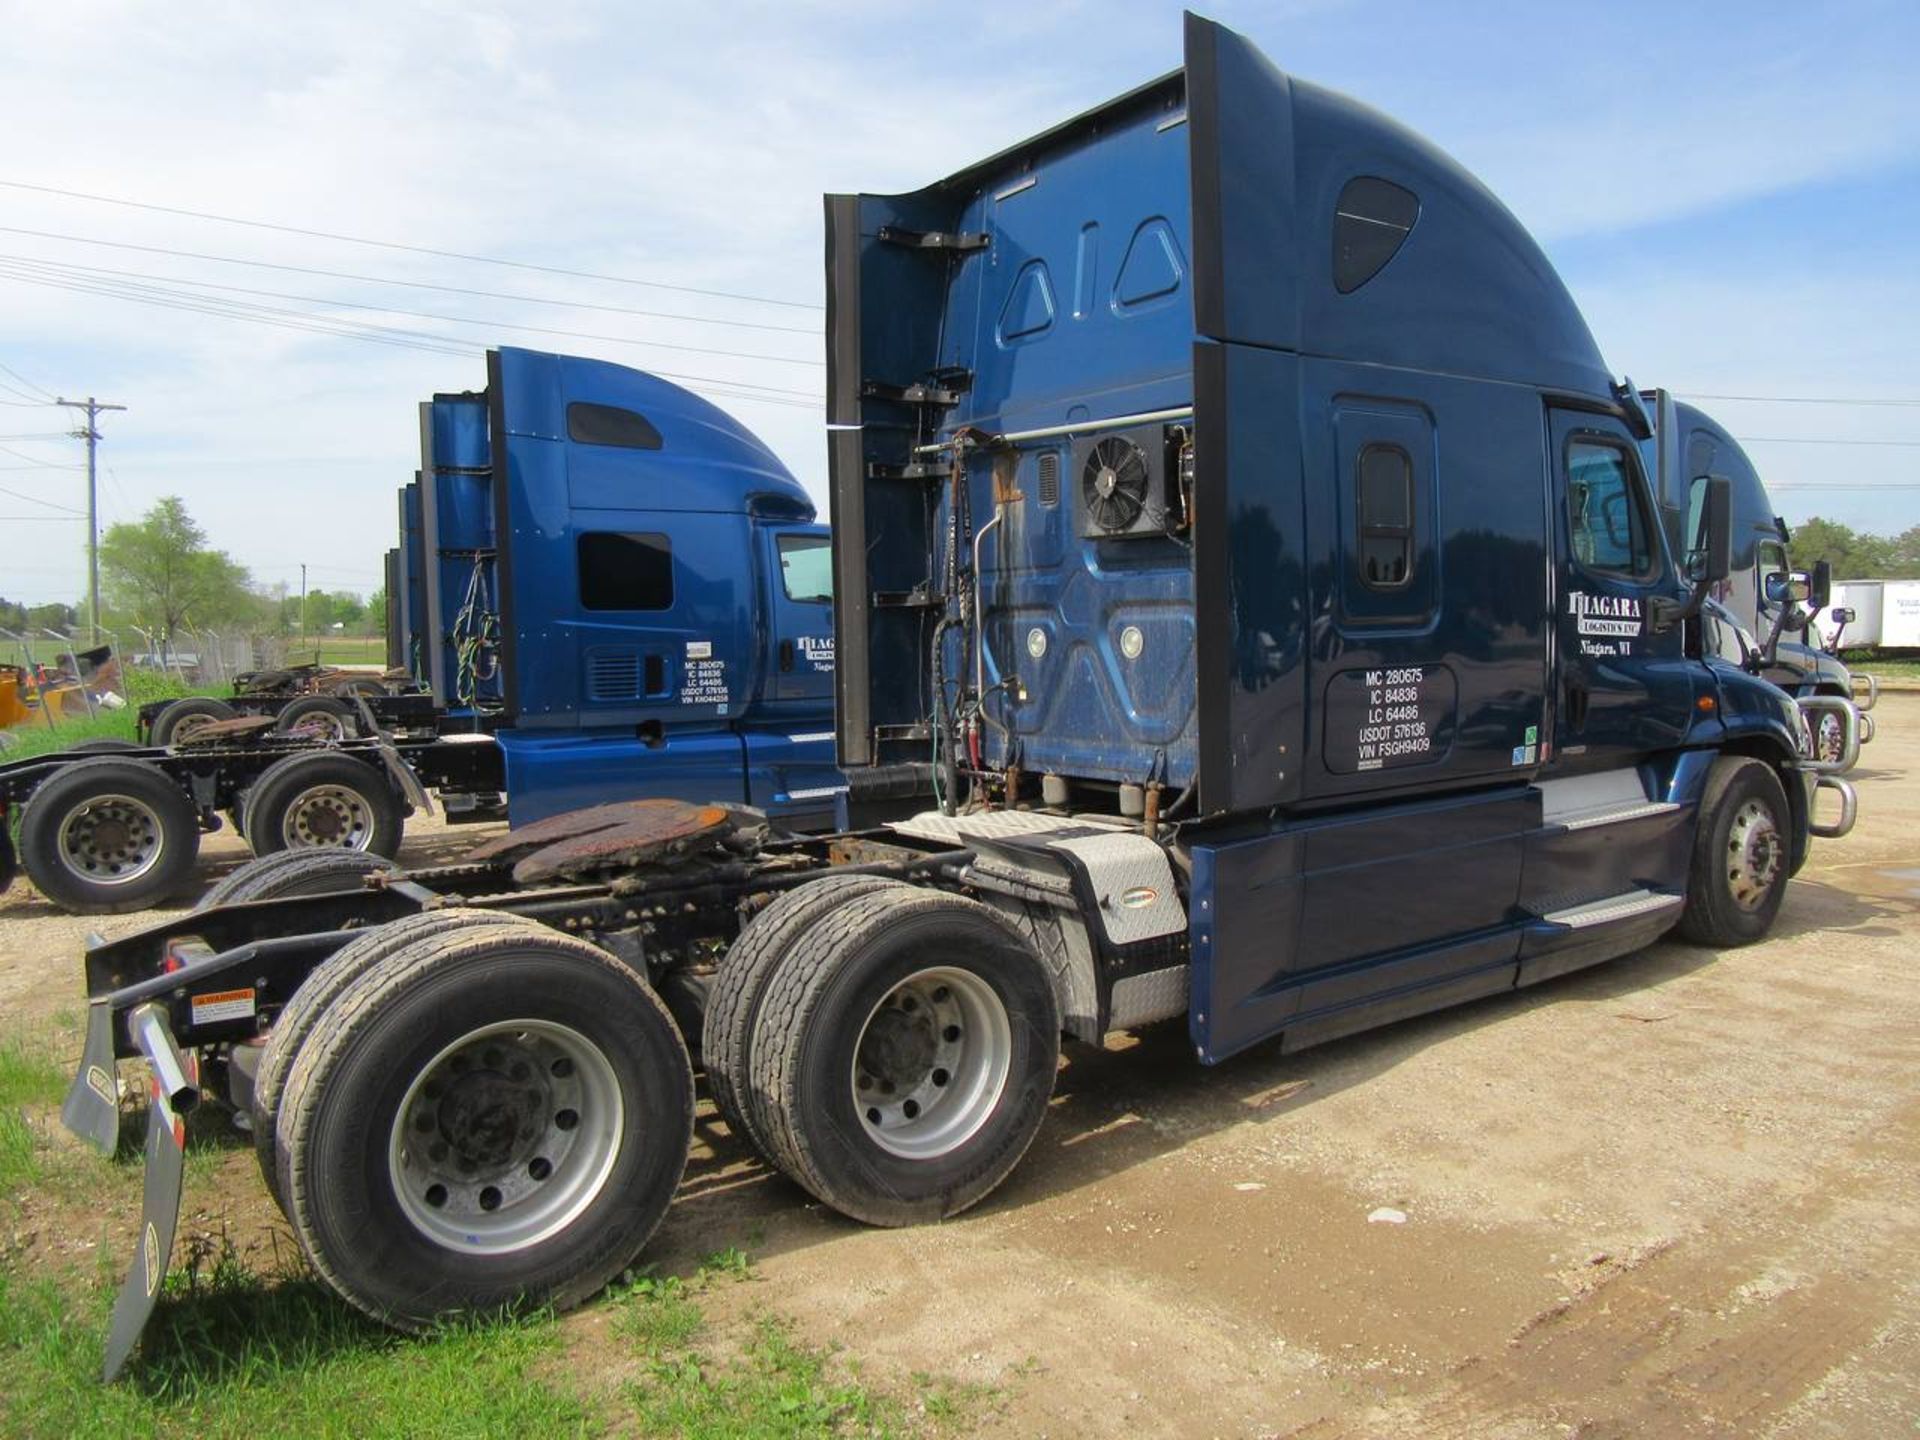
column 608, row 589
column 1765, row 608
column 623, row 586
column 1248, row 574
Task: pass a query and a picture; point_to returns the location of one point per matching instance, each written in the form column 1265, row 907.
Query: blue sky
column 1731, row 190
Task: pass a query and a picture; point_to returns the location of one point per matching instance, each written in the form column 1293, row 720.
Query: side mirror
column 1788, row 587
column 1707, row 566
column 1843, row 615
column 1716, row 526
column 1820, row 584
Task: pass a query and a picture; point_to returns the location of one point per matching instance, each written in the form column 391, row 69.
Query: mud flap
column 159, row 1213
column 174, row 1091
column 92, row 1107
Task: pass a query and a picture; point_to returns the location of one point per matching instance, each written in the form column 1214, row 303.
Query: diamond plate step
column 1614, row 814
column 1614, row 907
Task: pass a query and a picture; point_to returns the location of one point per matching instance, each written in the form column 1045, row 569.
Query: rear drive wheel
column 904, row 1054
column 296, row 872
column 318, row 992
column 484, row 1117
column 105, row 746
column 183, row 717
column 1740, row 855
column 321, row 798
column 106, row 836
column 740, row 986
column 319, row 717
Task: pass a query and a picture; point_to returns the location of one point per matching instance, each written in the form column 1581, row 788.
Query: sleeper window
column 1384, row 487
column 620, row 571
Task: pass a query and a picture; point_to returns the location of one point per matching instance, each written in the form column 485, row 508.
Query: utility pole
column 91, row 434
column 303, row 607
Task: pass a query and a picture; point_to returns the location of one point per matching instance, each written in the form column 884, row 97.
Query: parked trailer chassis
column 116, row 831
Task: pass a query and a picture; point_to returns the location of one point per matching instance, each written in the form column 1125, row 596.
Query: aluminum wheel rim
column 328, row 817
column 506, row 1136
column 1754, row 855
column 110, row 840
column 931, row 1063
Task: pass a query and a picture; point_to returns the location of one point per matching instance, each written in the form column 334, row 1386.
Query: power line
column 46, row 395
column 411, row 249
column 90, row 271
column 302, row 320
column 1850, row 485
column 259, row 314
column 1820, row 440
column 34, row 462
column 1799, row 399
column 36, row 500
column 411, row 284
column 73, row 519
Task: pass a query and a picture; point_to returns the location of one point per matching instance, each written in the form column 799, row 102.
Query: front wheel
column 489, row 1116
column 903, row 1055
column 1741, row 851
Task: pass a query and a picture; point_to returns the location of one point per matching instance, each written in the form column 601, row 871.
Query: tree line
column 1857, row 554
column 160, row 577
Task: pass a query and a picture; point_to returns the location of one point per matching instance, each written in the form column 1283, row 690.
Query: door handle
column 786, row 655
column 1576, row 707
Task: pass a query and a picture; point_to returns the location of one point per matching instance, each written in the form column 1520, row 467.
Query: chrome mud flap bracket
column 1815, row 710
column 92, row 1111
column 1849, row 807
column 1826, row 773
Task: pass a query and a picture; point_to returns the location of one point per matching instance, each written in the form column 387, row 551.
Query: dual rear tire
column 892, row 1050
column 472, row 1111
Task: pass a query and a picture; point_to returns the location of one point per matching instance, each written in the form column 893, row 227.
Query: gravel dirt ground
column 1670, row 1196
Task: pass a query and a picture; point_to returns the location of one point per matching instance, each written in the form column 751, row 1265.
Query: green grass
column 34, row 736
column 27, row 1077
column 246, row 1357
column 258, row 1353
column 774, row 1388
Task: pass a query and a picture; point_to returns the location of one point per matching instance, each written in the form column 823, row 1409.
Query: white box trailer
column 1886, row 614
column 1862, row 597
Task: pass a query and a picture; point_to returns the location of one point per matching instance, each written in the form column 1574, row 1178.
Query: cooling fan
column 1115, row 481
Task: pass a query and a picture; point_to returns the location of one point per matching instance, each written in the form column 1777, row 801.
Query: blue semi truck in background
column 1249, row 569
column 1764, row 612
column 607, row 589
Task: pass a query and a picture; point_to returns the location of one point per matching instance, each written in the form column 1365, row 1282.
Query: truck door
column 1623, row 688
column 800, row 566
